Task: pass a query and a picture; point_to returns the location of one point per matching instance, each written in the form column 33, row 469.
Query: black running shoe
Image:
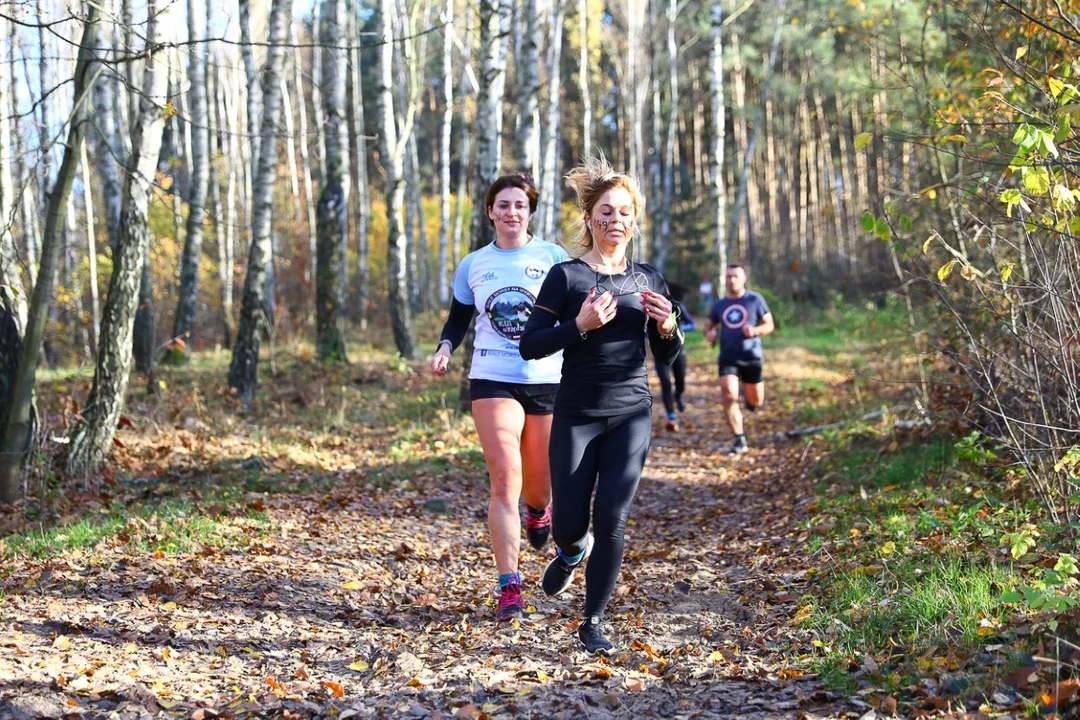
column 537, row 526
column 739, row 446
column 559, row 574
column 592, row 638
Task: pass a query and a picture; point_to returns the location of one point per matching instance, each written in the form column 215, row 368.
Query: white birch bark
column 243, row 373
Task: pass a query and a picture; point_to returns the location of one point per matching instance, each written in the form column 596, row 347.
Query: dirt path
column 377, row 602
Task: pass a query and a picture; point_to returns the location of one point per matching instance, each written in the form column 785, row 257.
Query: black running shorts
column 535, row 399
column 749, row 372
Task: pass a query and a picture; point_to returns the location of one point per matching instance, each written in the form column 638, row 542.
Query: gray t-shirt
column 731, row 315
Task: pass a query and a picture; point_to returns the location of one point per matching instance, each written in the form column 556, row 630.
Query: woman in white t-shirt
column 512, row 400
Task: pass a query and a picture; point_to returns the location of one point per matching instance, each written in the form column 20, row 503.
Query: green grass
column 170, row 526
column 910, row 541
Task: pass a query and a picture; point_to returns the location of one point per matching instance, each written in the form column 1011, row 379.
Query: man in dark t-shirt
column 739, row 321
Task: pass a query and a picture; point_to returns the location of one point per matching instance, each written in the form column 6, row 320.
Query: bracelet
column 449, row 346
column 674, row 330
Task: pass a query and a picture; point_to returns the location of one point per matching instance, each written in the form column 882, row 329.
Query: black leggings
column 607, row 454
column 664, row 372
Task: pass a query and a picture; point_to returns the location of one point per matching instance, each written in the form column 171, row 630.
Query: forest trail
column 376, row 599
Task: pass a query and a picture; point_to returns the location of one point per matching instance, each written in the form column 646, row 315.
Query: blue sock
column 508, row 578
column 571, row 559
column 671, row 416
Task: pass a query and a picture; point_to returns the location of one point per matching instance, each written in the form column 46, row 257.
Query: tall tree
column 527, row 137
column 445, row 151
column 305, row 161
column 334, row 197
column 12, row 295
column 549, row 195
column 716, row 94
column 243, row 372
column 18, row 420
column 494, row 21
column 663, row 237
column 394, row 140
column 187, row 300
column 583, row 79
column 362, row 204
column 465, row 159
column 91, row 441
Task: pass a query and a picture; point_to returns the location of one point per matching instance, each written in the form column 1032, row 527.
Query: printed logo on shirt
column 735, row 317
column 499, row 353
column 535, row 272
column 509, row 309
column 490, row 275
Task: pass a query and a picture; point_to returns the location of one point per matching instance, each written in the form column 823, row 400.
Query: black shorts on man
column 536, row 399
column 749, row 371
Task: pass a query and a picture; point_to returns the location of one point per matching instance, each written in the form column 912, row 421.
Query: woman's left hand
column 658, row 308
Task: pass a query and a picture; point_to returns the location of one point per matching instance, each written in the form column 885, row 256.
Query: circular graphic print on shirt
column 735, row 317
column 535, row 272
column 509, row 309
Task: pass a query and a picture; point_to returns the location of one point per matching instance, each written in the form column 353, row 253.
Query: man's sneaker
column 592, row 638
column 559, row 574
column 537, row 526
column 672, row 426
column 511, row 605
column 739, row 447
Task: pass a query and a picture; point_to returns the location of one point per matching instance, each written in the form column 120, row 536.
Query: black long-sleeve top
column 603, row 373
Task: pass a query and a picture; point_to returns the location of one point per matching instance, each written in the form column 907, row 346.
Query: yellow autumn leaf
column 968, row 272
column 804, row 613
column 954, row 138
column 888, row 548
column 945, row 270
column 1006, row 272
column 352, row 585
column 862, row 140
column 1021, row 51
column 984, row 631
column 926, row 245
column 716, row 656
column 358, row 666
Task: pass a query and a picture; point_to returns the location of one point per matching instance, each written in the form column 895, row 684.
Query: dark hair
column 520, row 180
column 739, row 266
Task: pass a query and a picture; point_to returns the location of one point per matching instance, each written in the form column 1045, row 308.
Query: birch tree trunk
column 465, row 159
column 217, row 160
column 847, row 193
column 316, row 95
column 830, row 177
column 716, row 96
column 549, row 194
column 527, row 139
column 12, row 295
column 444, row 155
column 334, row 197
column 243, row 373
column 393, row 150
column 108, row 151
column 583, row 79
column 19, row 416
column 91, row 253
column 187, row 300
column 661, row 248
column 231, row 139
column 363, row 200
column 90, row 442
column 741, row 135
column 305, row 163
column 494, row 16
column 247, row 52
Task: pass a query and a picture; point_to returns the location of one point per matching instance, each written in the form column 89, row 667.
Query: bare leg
column 499, row 423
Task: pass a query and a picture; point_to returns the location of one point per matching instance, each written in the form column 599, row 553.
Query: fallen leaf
column 334, row 687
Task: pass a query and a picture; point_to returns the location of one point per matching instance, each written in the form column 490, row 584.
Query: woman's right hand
column 440, row 361
column 596, row 311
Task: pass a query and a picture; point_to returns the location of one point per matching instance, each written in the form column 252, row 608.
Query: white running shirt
column 502, row 285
